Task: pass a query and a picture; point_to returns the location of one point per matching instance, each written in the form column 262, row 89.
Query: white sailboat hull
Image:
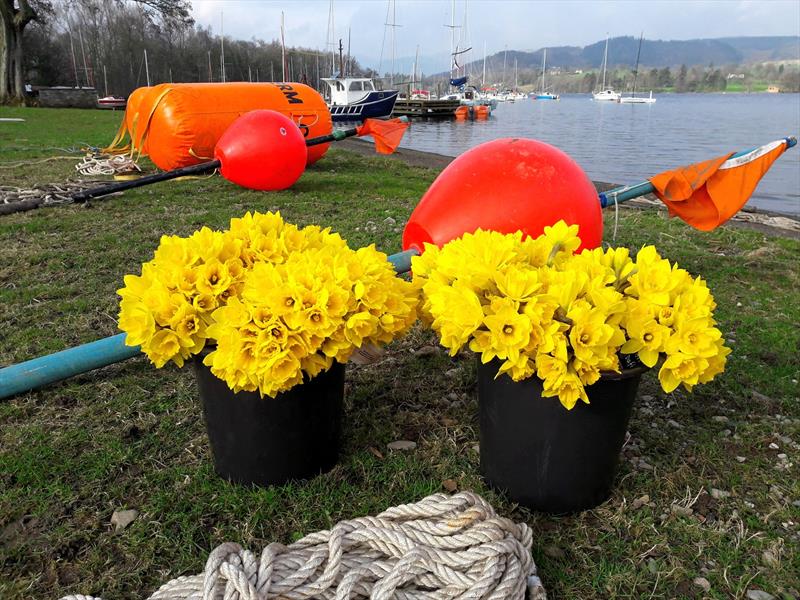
column 637, row 100
column 607, row 95
column 634, row 100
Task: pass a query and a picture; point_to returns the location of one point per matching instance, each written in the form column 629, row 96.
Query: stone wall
column 63, row 97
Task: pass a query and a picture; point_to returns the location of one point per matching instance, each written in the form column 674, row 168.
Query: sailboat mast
column 283, row 48
column 74, row 63
column 483, row 81
column 331, row 43
column 544, row 62
column 515, row 75
column 221, row 46
column 86, row 68
column 636, row 70
column 505, row 54
column 394, row 24
column 453, row 72
column 605, row 64
column 416, row 62
column 341, row 58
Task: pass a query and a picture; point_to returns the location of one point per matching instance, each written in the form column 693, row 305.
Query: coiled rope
column 99, row 164
column 443, row 547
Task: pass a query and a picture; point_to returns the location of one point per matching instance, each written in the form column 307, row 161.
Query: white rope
column 99, row 164
column 441, row 548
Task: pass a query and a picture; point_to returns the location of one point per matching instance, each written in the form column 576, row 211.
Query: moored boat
column 356, row 99
column 544, row 94
column 633, row 98
column 637, row 99
column 606, row 94
column 111, row 102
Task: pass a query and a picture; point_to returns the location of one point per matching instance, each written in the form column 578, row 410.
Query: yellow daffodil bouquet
column 542, row 310
column 275, row 301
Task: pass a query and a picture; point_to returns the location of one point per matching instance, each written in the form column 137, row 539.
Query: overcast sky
column 512, row 24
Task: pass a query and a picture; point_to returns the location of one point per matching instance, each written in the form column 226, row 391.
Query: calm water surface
column 626, row 143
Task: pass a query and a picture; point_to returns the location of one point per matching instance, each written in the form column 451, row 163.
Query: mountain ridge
column 622, row 51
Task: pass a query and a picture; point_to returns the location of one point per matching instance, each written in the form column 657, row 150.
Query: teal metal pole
column 44, row 370
column 61, row 365
column 402, row 260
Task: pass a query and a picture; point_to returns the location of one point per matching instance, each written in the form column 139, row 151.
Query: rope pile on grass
column 103, row 164
column 443, row 547
column 14, row 199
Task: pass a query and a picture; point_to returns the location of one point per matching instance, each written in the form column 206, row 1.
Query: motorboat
column 111, row 102
column 356, row 99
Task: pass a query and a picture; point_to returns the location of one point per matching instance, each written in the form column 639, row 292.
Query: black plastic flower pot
column 544, row 456
column 270, row 441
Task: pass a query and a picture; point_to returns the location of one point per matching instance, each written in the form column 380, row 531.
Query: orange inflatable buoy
column 262, row 150
column 481, row 112
column 461, row 113
column 506, row 185
column 179, row 124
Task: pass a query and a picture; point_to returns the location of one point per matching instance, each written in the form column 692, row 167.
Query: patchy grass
column 129, row 436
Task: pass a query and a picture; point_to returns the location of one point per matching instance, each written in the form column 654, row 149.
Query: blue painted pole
column 41, row 371
column 74, row 361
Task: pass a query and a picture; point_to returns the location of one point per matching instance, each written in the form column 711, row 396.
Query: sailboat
column 544, row 95
column 606, row 94
column 633, row 99
column 516, row 94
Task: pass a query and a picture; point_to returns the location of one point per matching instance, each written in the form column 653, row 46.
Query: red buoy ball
column 262, row 150
column 506, row 185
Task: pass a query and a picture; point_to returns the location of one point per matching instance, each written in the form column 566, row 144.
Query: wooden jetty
column 438, row 109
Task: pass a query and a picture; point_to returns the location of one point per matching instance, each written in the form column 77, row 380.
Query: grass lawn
column 129, row 436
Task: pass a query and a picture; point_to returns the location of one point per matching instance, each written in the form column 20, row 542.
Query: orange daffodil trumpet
column 542, row 310
column 278, row 302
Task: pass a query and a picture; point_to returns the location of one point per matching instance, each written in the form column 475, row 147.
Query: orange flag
column 387, row 134
column 707, row 194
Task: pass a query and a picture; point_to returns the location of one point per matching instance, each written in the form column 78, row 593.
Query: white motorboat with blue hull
column 356, row 99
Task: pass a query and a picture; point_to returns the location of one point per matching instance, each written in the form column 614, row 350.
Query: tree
column 167, row 15
column 15, row 14
column 680, row 84
column 665, row 78
column 589, row 82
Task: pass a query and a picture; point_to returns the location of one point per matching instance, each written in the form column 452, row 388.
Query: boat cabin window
column 339, row 86
column 356, row 86
column 368, row 86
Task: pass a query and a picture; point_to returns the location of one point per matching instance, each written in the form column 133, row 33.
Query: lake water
column 626, row 143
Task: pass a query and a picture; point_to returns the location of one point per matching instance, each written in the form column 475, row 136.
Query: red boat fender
column 506, row 185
